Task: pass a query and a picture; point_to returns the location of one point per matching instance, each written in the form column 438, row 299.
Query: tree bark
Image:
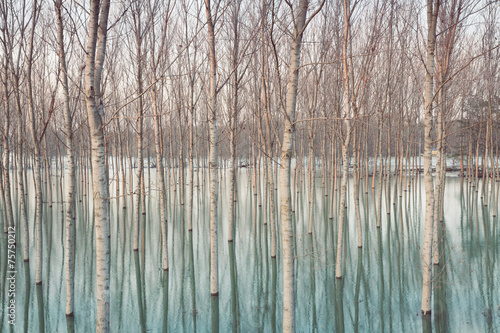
column 214, row 274
column 70, row 200
column 432, row 11
column 96, row 47
column 287, row 233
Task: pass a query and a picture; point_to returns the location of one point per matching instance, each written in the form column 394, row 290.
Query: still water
column 380, row 291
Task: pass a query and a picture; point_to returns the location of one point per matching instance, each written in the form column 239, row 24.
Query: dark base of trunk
column 214, row 294
column 39, row 283
column 70, row 314
column 426, row 312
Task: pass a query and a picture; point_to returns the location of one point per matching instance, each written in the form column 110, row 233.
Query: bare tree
column 71, row 184
column 432, row 16
column 214, row 274
column 299, row 15
column 37, row 138
column 96, row 48
column 156, row 60
column 137, row 9
column 233, row 119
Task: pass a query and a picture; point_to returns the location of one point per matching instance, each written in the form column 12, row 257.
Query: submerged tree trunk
column 139, row 201
column 20, row 168
column 214, row 274
column 233, row 125
column 96, row 47
column 345, row 143
column 432, row 11
column 36, row 146
column 159, row 149
column 71, row 183
column 287, row 233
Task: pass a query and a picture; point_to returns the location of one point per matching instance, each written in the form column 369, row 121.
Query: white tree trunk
column 439, row 180
column 140, row 159
column 36, row 148
column 345, row 144
column 93, row 69
column 287, row 233
column 432, row 10
column 214, row 274
column 340, row 222
column 70, row 200
column 20, row 168
column 233, row 125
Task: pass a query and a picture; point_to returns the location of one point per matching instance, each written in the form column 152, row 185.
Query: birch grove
column 187, row 132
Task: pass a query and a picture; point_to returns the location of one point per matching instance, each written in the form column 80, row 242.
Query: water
column 380, row 290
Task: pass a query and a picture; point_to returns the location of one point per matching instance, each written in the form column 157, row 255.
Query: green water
column 380, row 290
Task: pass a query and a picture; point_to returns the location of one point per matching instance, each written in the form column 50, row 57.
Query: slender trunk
column 233, row 124
column 214, row 265
column 287, row 233
column 311, row 165
column 36, row 146
column 139, row 201
column 71, row 183
column 432, row 11
column 20, row 169
column 356, row 186
column 93, row 69
column 439, row 177
column 161, row 177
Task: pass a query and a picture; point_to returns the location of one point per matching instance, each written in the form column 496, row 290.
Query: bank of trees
column 289, row 91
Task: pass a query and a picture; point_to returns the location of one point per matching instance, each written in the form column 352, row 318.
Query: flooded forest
column 241, row 166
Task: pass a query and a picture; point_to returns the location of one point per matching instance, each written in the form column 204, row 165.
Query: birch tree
column 156, row 60
column 299, row 14
column 96, row 48
column 6, row 129
column 70, row 198
column 432, row 15
column 233, row 120
column 36, row 147
column 212, row 119
column 139, row 34
column 15, row 65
